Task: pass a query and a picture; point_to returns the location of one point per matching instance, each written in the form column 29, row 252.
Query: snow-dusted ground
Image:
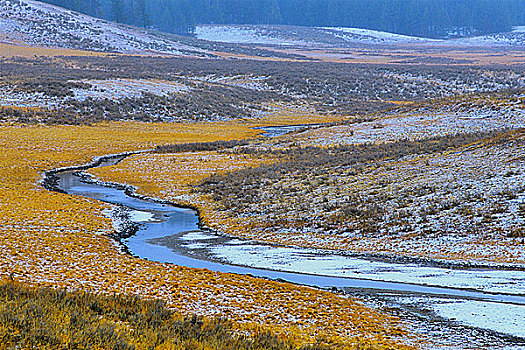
column 508, row 319
column 180, row 224
column 303, row 36
column 127, row 88
column 514, row 38
column 111, row 89
column 368, row 36
column 141, row 216
column 10, row 98
column 313, row 261
column 502, row 318
column 463, row 204
column 241, row 34
column 415, row 127
column 251, row 82
column 36, row 23
column 341, row 36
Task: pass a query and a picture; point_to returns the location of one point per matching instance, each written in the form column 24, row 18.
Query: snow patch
column 504, row 318
column 197, row 236
column 36, row 23
column 311, row 261
column 309, row 36
column 373, row 36
column 127, row 88
column 141, row 216
column 515, row 38
column 239, row 34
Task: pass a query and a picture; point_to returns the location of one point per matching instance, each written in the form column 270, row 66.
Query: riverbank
column 467, row 290
column 59, row 240
column 251, row 195
column 464, row 322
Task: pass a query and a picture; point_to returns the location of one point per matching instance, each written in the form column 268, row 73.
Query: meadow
column 403, row 161
column 63, row 241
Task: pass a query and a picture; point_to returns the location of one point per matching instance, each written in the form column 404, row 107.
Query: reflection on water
column 172, row 235
column 172, row 221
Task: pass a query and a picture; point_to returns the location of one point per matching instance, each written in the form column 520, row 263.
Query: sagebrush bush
column 46, row 318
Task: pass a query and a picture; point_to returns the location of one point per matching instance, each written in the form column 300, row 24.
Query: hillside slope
column 38, row 24
column 515, row 38
column 300, row 36
column 340, row 37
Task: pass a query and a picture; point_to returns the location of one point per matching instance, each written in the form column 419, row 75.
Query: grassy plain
column 414, row 54
column 58, row 240
column 434, row 198
column 53, row 239
column 56, row 318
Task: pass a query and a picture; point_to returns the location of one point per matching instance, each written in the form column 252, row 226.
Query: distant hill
column 514, row 38
column 301, row 36
column 40, row 24
column 319, row 37
column 35, row 23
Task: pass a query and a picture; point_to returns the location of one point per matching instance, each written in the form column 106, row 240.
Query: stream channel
column 476, row 306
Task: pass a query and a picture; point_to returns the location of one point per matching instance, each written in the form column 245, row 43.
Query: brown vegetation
column 45, row 318
column 240, row 190
column 49, row 238
column 200, row 146
column 230, row 89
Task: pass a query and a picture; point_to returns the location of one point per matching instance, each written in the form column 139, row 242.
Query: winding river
column 487, row 300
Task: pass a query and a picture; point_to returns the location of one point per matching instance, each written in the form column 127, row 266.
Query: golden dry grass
column 47, row 318
column 13, row 50
column 59, row 240
column 281, row 114
column 413, row 54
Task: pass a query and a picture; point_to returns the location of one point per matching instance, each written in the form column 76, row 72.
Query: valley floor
column 55, row 239
column 422, row 165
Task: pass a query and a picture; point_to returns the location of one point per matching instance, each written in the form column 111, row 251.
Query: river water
column 464, row 302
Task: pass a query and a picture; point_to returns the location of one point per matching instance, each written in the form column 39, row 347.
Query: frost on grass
column 127, row 88
column 459, row 197
column 301, row 36
column 49, row 238
column 95, row 89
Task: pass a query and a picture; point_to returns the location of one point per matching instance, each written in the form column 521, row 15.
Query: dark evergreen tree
column 433, row 18
column 142, row 17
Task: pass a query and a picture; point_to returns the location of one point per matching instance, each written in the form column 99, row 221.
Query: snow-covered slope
column 367, row 36
column 36, row 23
column 499, row 39
column 515, row 38
column 243, row 34
column 290, row 35
column 343, row 37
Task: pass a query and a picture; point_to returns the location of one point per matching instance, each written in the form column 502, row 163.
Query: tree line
column 430, row 18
